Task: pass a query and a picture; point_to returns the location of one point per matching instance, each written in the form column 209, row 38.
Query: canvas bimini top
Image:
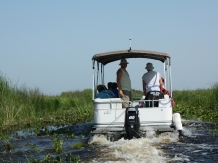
column 112, row 56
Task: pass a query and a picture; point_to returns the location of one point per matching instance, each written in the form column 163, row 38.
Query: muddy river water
column 198, row 144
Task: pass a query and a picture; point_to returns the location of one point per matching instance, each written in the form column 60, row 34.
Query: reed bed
column 24, row 108
column 199, row 104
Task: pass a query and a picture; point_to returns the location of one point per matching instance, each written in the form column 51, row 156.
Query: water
column 33, row 147
column 199, row 144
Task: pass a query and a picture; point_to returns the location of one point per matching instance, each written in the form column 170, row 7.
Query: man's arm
column 161, row 82
column 144, row 87
column 119, row 75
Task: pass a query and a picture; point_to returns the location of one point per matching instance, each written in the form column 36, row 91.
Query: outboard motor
column 132, row 122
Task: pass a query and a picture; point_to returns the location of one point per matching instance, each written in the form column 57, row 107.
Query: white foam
column 98, row 139
column 187, row 132
column 132, row 151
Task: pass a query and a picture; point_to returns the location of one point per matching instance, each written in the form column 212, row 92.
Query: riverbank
column 199, row 104
column 23, row 107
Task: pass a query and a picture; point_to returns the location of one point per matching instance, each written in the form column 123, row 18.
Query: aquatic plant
column 7, row 145
column 71, row 158
column 48, row 158
column 57, row 144
column 83, row 135
column 77, row 145
column 73, row 136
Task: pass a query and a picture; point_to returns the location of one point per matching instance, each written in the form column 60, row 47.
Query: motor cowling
column 178, row 123
column 132, row 122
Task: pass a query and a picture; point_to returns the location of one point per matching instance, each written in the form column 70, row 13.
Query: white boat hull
column 109, row 113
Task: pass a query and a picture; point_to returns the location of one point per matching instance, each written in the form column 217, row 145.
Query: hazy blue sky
column 49, row 44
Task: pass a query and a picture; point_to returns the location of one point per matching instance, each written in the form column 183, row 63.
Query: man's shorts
column 126, row 103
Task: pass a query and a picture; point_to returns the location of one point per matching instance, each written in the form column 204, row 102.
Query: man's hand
column 121, row 93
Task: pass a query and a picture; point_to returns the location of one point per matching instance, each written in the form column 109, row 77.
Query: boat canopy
column 107, row 57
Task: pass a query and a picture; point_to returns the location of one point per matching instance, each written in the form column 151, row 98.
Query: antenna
column 129, row 44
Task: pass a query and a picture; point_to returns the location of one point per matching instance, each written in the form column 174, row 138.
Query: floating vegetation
column 57, row 145
column 77, row 145
column 73, row 136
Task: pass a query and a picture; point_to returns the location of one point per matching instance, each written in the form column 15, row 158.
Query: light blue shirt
column 106, row 94
column 115, row 91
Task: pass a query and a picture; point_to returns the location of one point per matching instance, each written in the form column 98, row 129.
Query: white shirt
column 151, row 78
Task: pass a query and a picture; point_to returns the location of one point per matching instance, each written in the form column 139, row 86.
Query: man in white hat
column 151, row 83
column 123, row 80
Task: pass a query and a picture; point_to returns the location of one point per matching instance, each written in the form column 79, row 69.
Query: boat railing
column 161, row 103
column 116, row 103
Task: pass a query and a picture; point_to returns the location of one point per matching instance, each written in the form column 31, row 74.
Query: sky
column 49, row 44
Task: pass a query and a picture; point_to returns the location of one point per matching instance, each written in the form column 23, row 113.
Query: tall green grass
column 199, row 104
column 22, row 107
column 136, row 94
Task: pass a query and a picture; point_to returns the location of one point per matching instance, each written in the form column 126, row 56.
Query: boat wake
column 134, row 150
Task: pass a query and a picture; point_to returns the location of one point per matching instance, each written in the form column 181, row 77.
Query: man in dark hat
column 123, row 81
column 151, row 83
